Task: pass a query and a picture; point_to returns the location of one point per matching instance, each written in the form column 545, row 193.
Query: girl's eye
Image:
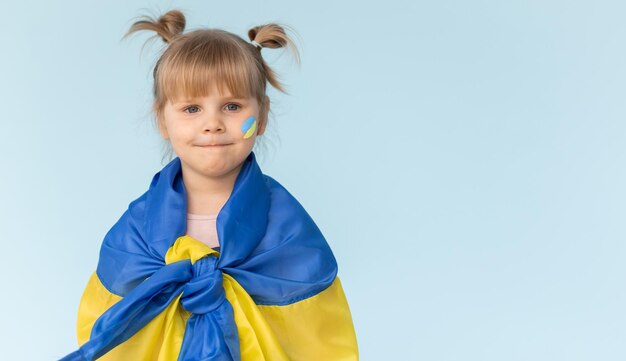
column 236, row 105
column 230, row 106
column 191, row 107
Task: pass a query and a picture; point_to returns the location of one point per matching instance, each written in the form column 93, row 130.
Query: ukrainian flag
column 271, row 293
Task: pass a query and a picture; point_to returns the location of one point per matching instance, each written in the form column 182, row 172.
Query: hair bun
column 167, row 26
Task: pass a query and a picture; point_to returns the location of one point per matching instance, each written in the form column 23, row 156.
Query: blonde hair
column 193, row 60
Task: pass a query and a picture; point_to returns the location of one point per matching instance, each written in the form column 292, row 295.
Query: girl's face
column 212, row 135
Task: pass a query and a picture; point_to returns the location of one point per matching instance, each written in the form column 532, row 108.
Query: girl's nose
column 213, row 123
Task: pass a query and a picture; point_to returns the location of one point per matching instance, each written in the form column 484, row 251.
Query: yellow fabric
column 187, row 247
column 317, row 328
column 159, row 340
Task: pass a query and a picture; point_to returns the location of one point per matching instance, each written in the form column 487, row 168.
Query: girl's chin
column 214, row 166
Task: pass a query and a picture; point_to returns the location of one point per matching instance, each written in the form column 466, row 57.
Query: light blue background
column 464, row 159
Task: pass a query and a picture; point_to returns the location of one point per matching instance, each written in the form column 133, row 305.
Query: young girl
column 216, row 260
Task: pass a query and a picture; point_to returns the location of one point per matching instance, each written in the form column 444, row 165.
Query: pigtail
column 167, row 26
column 273, row 36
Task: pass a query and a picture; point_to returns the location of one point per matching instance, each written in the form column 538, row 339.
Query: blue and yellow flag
column 270, row 293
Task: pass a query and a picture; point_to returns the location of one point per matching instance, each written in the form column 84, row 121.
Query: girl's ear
column 263, row 116
column 163, row 130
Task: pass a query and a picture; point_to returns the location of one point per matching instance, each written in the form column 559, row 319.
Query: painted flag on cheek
column 248, row 127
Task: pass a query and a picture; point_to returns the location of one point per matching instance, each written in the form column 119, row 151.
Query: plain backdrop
column 464, row 159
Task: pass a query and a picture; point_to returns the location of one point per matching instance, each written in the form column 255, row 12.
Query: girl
column 216, row 260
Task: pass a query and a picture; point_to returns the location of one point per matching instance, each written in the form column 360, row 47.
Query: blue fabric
column 269, row 244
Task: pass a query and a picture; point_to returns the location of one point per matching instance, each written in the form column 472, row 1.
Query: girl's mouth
column 215, row 145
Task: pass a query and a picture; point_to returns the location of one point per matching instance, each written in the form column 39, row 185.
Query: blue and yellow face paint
column 248, row 127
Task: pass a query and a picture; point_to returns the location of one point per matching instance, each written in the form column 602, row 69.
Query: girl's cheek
column 248, row 127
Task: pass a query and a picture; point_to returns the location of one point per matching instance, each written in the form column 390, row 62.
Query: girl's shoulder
column 286, row 204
